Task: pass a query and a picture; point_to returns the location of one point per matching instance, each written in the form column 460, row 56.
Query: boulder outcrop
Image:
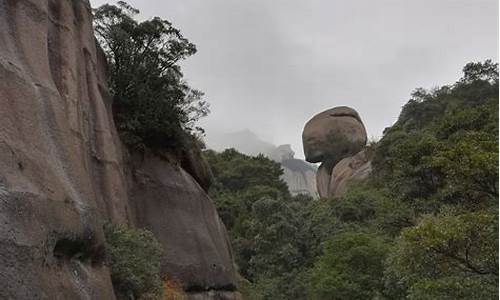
column 175, row 208
column 336, row 138
column 64, row 172
column 356, row 167
column 333, row 135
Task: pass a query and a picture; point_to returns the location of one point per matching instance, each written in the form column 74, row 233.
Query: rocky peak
column 281, row 153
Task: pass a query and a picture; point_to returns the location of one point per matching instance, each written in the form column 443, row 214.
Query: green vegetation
column 453, row 255
column 134, row 259
column 350, row 268
column 423, row 226
column 152, row 104
column 265, row 224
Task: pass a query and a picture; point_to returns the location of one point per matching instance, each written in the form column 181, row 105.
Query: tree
column 350, row 268
column 268, row 227
column 444, row 147
column 235, row 171
column 422, row 226
column 450, row 256
column 152, row 105
column 480, row 71
column 134, row 259
column 434, row 189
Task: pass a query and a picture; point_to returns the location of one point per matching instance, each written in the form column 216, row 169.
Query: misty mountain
column 299, row 175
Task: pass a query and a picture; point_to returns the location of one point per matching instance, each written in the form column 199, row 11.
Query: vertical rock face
column 336, row 137
column 60, row 175
column 62, row 172
column 299, row 175
column 172, row 205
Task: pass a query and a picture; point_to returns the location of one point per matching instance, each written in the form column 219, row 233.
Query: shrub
column 134, row 258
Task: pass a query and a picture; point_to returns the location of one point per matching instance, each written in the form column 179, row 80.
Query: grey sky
column 269, row 66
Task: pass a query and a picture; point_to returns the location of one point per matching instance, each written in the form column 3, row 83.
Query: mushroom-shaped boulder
column 333, row 135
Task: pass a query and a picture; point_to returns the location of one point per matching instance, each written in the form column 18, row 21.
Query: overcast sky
column 270, row 65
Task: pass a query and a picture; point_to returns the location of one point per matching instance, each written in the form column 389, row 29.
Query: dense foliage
column 133, row 256
column 423, row 226
column 264, row 222
column 152, row 104
column 351, row 268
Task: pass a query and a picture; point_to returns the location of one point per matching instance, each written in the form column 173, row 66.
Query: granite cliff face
column 299, row 175
column 336, row 138
column 64, row 172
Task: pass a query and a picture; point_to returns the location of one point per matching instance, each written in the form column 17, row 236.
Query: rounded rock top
column 333, row 134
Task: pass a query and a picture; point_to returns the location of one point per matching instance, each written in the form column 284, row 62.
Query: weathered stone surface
column 195, row 164
column 333, row 135
column 300, row 177
column 349, row 169
column 323, row 177
column 62, row 172
column 336, row 138
column 172, row 205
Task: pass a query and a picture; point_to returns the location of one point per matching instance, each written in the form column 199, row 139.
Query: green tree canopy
column 134, row 259
column 449, row 256
column 350, row 268
column 152, row 105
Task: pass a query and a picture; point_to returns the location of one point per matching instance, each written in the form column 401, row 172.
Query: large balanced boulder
column 333, row 134
column 336, row 138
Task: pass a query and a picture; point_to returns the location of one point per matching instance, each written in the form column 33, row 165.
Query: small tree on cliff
column 133, row 256
column 152, row 104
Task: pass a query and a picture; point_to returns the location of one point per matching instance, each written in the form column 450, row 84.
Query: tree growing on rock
column 152, row 105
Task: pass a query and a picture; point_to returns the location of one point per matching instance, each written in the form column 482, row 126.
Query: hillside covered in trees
column 424, row 225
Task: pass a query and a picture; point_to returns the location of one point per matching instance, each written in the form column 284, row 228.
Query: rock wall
column 172, row 205
column 63, row 171
column 300, row 177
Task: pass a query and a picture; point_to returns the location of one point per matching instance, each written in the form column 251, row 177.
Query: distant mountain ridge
column 245, row 141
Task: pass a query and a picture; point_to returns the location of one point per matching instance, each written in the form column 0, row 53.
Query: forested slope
column 424, row 225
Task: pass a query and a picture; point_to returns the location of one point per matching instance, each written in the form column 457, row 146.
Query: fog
column 269, row 66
